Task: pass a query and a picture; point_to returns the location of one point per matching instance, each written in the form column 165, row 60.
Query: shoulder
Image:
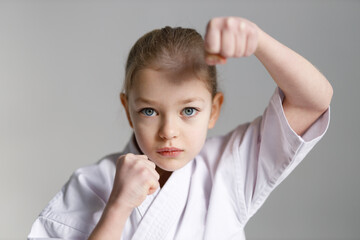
column 101, row 172
column 79, row 204
column 224, row 147
column 214, row 146
column 95, row 179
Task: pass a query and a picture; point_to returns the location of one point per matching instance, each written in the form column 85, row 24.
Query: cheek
column 144, row 140
column 197, row 130
column 141, row 125
column 196, row 135
column 144, row 133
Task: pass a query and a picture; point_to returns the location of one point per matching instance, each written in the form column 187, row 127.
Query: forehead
column 167, row 86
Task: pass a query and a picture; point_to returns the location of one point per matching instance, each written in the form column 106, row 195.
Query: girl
column 172, row 183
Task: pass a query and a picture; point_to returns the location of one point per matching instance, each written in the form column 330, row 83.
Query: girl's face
column 170, row 117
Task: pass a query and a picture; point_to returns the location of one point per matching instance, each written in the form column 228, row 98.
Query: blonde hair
column 178, row 50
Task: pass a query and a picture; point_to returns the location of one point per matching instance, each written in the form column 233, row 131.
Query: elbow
column 330, row 93
column 327, row 96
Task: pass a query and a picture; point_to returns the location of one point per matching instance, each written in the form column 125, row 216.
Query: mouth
column 169, row 152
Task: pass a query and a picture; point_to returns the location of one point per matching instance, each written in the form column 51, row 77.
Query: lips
column 169, row 151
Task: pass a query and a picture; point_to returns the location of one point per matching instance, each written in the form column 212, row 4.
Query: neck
column 164, row 176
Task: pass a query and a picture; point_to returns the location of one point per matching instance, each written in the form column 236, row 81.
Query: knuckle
column 212, row 23
column 229, row 22
column 238, row 54
column 143, row 172
column 120, row 160
column 152, row 183
column 156, row 184
column 153, row 164
column 129, row 155
column 226, row 53
column 242, row 26
column 138, row 164
column 127, row 159
column 247, row 53
column 252, row 30
column 149, row 182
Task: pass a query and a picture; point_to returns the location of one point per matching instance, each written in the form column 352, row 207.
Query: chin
column 171, row 165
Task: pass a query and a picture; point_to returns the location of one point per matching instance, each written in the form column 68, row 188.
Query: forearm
column 307, row 91
column 303, row 85
column 111, row 223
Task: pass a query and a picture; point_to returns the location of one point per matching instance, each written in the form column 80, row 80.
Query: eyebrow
column 189, row 100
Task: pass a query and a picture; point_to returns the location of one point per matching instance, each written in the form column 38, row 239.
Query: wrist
column 118, row 207
column 112, row 221
column 260, row 45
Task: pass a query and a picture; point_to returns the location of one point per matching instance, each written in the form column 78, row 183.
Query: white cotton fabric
column 212, row 197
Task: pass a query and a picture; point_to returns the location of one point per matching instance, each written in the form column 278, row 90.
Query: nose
column 169, row 129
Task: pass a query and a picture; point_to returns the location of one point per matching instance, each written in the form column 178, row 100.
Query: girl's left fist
column 230, row 37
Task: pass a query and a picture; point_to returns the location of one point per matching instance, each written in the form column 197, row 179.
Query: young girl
column 170, row 182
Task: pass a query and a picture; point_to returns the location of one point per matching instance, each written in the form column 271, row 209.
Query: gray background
column 61, row 70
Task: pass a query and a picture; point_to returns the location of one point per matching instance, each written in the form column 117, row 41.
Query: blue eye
column 149, row 112
column 189, row 112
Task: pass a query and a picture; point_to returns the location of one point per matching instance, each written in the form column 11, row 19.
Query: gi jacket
column 212, row 197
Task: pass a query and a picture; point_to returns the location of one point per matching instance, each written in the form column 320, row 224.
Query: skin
column 307, row 96
column 182, row 111
column 307, row 92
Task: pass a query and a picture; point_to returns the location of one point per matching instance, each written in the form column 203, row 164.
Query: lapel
column 166, row 209
column 161, row 210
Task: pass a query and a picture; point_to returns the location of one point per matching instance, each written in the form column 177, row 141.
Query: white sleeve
column 76, row 209
column 268, row 151
column 56, row 222
column 44, row 228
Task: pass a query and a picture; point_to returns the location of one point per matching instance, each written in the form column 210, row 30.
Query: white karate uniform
column 212, row 197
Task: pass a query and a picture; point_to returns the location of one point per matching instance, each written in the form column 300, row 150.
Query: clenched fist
column 135, row 178
column 230, row 37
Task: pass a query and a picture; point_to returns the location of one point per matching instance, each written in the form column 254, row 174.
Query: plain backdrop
column 61, row 71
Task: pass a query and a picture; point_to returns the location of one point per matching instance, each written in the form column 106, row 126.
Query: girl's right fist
column 135, row 178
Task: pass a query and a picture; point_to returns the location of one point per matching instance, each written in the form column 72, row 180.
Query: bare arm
column 135, row 178
column 307, row 91
column 111, row 223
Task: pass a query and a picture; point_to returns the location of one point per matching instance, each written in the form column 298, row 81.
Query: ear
column 216, row 108
column 124, row 101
